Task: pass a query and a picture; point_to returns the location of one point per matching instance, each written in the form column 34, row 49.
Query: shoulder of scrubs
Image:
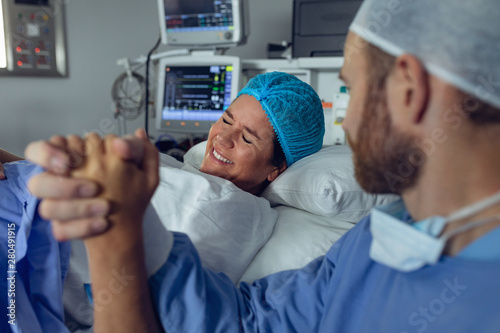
column 36, row 274
column 484, row 248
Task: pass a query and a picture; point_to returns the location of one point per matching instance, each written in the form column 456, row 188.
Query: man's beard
column 385, row 159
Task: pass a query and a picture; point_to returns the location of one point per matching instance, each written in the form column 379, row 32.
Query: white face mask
column 407, row 247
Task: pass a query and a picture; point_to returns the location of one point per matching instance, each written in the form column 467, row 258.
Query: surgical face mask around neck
column 407, row 247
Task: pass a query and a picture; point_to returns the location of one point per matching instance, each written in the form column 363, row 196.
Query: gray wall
column 99, row 33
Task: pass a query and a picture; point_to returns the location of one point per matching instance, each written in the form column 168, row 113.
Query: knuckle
column 70, row 189
column 58, row 140
column 86, row 210
column 76, row 158
column 58, row 230
column 73, row 138
column 33, row 185
column 76, row 143
column 82, row 228
column 69, row 230
column 46, row 210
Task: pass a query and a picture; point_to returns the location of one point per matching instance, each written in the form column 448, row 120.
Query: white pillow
column 194, row 156
column 298, row 238
column 322, row 183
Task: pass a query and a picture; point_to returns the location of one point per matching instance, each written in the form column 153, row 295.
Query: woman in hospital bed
column 275, row 121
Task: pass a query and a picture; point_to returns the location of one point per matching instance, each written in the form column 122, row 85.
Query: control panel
column 34, row 38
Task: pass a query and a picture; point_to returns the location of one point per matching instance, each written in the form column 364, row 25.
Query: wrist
column 124, row 236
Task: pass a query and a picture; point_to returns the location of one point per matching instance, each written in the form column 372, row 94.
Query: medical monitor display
column 192, row 97
column 201, row 22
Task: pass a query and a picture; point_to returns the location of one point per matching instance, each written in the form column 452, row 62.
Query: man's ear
column 276, row 172
column 408, row 89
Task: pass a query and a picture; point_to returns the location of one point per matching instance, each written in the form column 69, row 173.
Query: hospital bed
column 317, row 199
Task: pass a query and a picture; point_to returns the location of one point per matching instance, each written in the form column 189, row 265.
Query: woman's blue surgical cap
column 294, row 110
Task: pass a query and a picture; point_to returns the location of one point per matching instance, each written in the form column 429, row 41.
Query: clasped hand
column 93, row 185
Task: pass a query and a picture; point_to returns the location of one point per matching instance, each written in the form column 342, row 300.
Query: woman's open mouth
column 220, row 158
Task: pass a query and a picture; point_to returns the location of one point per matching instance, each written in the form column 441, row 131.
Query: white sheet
column 227, row 225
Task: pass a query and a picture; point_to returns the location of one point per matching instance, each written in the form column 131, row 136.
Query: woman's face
column 240, row 146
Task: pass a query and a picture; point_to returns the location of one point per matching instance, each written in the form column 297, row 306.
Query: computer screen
column 193, row 92
column 202, row 22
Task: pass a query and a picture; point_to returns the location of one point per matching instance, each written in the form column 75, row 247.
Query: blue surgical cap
column 294, row 110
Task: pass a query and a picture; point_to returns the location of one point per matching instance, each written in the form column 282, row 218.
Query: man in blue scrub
column 424, row 122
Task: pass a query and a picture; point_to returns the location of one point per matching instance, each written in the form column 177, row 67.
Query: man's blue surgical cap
column 294, row 110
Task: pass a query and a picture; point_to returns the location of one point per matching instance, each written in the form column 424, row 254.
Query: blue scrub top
column 344, row 291
column 34, row 302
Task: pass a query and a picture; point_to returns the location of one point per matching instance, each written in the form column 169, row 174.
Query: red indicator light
column 37, row 49
column 18, row 49
column 19, row 63
column 196, row 124
column 183, row 123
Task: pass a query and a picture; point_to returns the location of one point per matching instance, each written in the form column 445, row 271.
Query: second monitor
column 194, row 91
column 203, row 23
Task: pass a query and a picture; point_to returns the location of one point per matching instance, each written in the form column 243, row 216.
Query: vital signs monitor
column 194, row 91
column 202, row 23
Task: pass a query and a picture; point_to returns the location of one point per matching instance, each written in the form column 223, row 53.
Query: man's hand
column 71, row 203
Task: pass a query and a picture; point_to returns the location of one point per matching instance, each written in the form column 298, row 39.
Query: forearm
column 6, row 157
column 119, row 283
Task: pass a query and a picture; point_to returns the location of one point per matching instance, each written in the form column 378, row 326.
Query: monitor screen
column 194, row 93
column 201, row 22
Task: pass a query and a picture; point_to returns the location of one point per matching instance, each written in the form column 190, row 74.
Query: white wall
column 98, row 33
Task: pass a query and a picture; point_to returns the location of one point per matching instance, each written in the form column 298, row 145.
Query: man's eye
column 244, row 139
column 225, row 121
